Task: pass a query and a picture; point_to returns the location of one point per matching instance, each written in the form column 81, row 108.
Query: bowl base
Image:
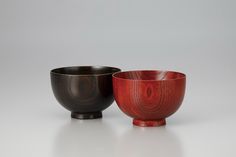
column 91, row 115
column 149, row 123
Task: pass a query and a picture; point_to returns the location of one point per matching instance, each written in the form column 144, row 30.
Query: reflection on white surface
column 158, row 141
column 100, row 138
column 84, row 138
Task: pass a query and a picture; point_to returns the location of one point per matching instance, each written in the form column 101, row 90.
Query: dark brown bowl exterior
column 84, row 90
column 149, row 96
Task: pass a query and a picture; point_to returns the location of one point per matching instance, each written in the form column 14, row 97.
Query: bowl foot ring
column 149, row 123
column 91, row 115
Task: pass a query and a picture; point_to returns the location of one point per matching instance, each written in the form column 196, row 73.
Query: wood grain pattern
column 149, row 96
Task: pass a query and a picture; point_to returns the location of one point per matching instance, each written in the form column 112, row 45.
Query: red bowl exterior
column 147, row 98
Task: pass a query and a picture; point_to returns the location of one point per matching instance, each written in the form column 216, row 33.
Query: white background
column 196, row 37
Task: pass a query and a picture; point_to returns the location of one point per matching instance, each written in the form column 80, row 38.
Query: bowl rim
column 85, row 66
column 152, row 80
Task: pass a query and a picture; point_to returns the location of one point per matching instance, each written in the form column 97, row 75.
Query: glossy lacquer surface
column 84, row 90
column 149, row 96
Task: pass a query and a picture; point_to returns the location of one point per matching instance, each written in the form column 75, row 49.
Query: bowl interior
column 85, row 70
column 149, row 75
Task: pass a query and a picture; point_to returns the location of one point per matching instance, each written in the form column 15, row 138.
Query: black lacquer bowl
column 84, row 90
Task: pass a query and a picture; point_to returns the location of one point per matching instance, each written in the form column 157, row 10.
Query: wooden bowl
column 149, row 96
column 84, row 90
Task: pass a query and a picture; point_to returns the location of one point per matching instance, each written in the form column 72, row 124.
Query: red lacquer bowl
column 149, row 96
